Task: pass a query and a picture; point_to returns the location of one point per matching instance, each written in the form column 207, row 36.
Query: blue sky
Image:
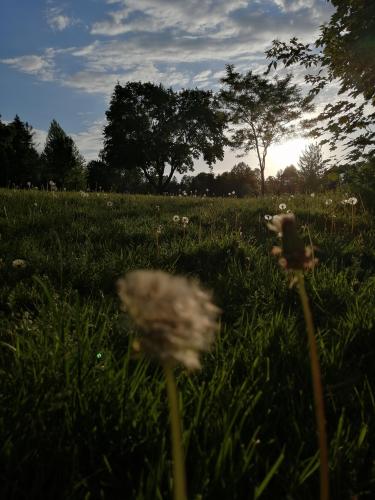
column 61, row 59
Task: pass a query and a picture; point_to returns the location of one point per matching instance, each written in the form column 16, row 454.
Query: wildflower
column 233, row 192
column 268, row 217
column 109, row 204
column 328, row 202
column 293, row 253
column 352, row 201
column 185, row 221
column 282, row 206
column 312, row 195
column 19, row 264
column 35, row 204
column 176, row 317
column 176, row 218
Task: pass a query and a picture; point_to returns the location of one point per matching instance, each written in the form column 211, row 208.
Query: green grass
column 82, row 418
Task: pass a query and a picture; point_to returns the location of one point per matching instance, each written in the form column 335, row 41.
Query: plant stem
column 179, row 480
column 317, row 389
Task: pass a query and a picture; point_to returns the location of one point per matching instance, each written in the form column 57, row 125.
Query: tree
column 245, row 179
column 19, row 159
column 311, row 167
column 156, row 129
column 289, row 180
column 344, row 52
column 62, row 162
column 261, row 111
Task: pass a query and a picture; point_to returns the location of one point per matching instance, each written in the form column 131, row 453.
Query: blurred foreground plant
column 177, row 321
column 295, row 258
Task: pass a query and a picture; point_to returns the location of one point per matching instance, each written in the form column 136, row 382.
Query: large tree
column 162, row 131
column 62, row 162
column 344, row 53
column 19, row 160
column 263, row 111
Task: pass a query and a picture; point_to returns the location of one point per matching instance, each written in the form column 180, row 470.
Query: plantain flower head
column 177, row 319
column 293, row 253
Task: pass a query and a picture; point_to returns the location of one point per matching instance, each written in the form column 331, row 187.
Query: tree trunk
column 262, row 181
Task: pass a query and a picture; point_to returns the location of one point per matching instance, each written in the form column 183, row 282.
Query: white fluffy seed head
column 177, row 319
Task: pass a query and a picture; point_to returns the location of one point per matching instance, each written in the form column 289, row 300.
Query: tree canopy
column 344, row 52
column 155, row 129
column 19, row 160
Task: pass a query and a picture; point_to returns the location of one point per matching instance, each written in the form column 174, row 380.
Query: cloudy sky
column 61, row 59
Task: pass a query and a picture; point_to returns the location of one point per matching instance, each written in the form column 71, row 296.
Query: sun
column 287, row 153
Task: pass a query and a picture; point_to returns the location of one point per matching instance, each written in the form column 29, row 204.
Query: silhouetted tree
column 311, row 167
column 62, row 162
column 289, row 180
column 19, row 160
column 162, row 131
column 262, row 111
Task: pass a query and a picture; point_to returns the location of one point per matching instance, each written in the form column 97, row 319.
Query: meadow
column 83, row 417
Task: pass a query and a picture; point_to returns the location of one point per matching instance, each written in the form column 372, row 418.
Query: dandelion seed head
column 352, row 201
column 109, row 204
column 176, row 317
column 19, row 264
column 176, row 218
column 185, row 221
column 282, row 206
column 328, row 202
column 268, row 217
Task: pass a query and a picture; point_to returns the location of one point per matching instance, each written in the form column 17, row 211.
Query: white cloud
column 194, row 16
column 57, row 20
column 41, row 66
column 90, row 141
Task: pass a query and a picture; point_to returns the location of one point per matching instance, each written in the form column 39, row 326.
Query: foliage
column 362, row 180
column 81, row 417
column 62, row 162
column 311, row 168
column 154, row 128
column 261, row 111
column 343, row 52
column 19, row 160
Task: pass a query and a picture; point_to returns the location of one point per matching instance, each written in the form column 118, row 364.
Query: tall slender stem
column 317, row 389
column 179, row 480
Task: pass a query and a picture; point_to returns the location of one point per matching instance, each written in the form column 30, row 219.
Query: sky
column 61, row 59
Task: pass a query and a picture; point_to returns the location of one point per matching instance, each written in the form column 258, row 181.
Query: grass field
column 82, row 418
